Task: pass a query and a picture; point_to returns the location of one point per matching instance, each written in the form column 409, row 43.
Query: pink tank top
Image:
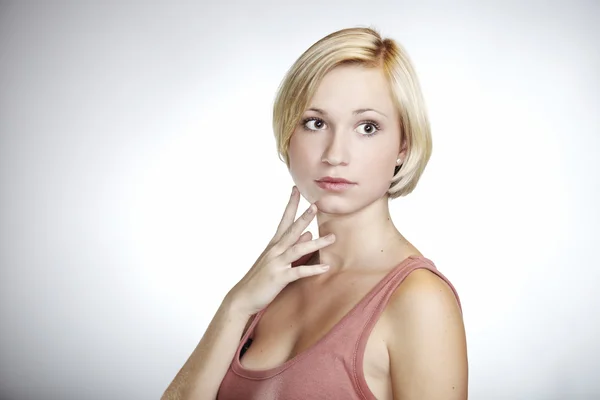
column 331, row 368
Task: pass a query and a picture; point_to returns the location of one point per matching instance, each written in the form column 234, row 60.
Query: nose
column 335, row 152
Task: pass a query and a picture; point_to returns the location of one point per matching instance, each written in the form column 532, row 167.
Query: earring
column 398, row 166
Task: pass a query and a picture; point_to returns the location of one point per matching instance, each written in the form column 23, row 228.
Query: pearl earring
column 398, row 161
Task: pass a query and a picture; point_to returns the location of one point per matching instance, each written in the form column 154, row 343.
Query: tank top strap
column 378, row 300
column 365, row 314
column 374, row 308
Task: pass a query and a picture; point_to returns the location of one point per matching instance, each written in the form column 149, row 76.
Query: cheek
column 378, row 168
column 379, row 171
column 300, row 156
column 303, row 144
column 382, row 156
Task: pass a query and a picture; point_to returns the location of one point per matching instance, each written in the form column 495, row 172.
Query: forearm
column 201, row 375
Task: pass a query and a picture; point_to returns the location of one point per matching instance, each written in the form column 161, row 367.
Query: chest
column 298, row 320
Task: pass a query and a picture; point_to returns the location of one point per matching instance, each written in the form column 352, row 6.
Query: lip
column 334, row 184
column 331, row 179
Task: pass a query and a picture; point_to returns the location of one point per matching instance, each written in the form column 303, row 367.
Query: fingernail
column 311, row 209
column 293, row 190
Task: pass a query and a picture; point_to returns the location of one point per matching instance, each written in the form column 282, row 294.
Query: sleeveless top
column 331, row 368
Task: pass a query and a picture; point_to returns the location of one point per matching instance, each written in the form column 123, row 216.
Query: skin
column 417, row 350
column 337, row 146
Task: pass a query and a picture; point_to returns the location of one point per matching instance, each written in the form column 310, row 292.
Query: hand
column 274, row 270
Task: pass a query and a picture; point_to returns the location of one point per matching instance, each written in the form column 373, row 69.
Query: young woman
column 358, row 313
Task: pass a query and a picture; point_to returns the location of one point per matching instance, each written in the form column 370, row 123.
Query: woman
column 358, row 313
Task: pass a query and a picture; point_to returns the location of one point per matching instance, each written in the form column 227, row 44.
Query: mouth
column 334, row 184
column 330, row 179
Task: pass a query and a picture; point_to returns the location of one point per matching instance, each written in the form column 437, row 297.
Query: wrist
column 233, row 305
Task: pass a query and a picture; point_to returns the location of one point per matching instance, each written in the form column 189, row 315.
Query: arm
column 428, row 351
column 203, row 372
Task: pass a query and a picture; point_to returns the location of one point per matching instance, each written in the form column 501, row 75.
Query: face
column 350, row 130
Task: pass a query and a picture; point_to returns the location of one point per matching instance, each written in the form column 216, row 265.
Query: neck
column 363, row 238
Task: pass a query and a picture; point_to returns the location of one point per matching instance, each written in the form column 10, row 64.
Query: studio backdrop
column 139, row 181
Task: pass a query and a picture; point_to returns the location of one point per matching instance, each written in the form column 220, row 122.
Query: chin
column 345, row 204
column 333, row 207
column 339, row 205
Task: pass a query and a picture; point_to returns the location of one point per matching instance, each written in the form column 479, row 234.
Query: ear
column 403, row 149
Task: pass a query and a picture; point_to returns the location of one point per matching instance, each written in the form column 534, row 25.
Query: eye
column 368, row 128
column 313, row 124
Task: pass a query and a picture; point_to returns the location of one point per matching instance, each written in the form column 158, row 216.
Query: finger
column 305, row 237
column 292, row 234
column 300, row 249
column 303, row 271
column 303, row 260
column 288, row 215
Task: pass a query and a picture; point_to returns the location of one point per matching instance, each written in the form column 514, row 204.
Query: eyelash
column 370, row 122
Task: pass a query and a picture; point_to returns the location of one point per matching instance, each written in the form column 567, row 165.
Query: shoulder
column 423, row 305
column 426, row 339
column 423, row 291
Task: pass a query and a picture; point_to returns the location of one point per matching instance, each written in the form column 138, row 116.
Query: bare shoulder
column 423, row 289
column 426, row 339
column 423, row 301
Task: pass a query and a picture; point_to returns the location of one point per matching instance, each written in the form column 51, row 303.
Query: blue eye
column 369, row 128
column 313, row 124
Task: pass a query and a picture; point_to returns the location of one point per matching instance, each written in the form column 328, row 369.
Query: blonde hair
column 365, row 47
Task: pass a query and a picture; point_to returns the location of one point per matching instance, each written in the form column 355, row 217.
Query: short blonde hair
column 360, row 46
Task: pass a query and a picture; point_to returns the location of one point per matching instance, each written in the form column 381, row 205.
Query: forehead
column 351, row 87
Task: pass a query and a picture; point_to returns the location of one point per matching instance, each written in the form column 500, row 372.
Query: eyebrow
column 355, row 112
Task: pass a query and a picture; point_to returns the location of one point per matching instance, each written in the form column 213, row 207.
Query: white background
column 139, row 181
